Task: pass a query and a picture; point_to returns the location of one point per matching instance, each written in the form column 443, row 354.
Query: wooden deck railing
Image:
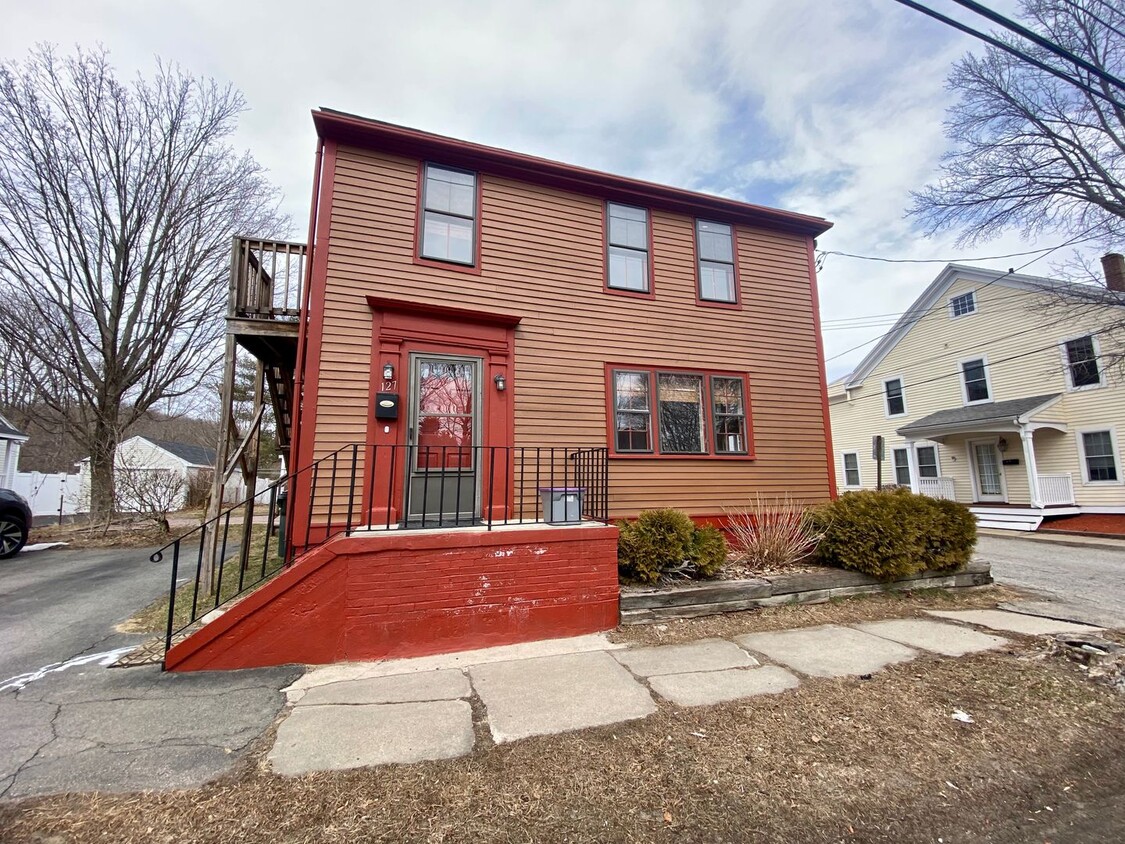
column 267, row 277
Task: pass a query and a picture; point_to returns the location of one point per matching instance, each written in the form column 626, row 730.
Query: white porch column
column 1032, row 471
column 912, row 462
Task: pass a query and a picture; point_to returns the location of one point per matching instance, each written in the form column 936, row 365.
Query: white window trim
column 937, row 457
column 1096, row 429
column 952, row 315
column 1070, row 388
column 905, row 447
column 844, row 470
column 987, row 380
column 887, row 401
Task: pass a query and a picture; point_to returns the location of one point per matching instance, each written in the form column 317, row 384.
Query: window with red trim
column 677, row 413
column 627, row 248
column 449, row 210
column 715, row 249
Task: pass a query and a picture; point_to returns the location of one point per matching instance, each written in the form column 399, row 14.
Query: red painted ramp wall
column 403, row 594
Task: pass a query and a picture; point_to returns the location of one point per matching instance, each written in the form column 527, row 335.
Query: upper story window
column 679, row 413
column 627, row 245
column 895, row 398
column 975, row 376
column 449, row 215
column 1082, row 363
column 718, row 281
column 966, row 303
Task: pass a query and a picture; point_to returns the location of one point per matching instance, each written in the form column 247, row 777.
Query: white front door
column 988, row 472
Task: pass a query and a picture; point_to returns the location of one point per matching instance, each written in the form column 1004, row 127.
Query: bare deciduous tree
column 150, row 492
column 1033, row 152
column 117, row 204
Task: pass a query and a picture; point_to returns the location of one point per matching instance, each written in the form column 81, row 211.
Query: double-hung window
column 927, row 461
column 449, row 215
column 895, row 398
column 1082, row 362
column 718, row 280
column 1099, row 457
column 627, row 248
column 677, row 413
column 851, row 468
column 975, row 376
column 901, row 458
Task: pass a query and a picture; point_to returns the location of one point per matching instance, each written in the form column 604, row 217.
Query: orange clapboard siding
column 542, row 258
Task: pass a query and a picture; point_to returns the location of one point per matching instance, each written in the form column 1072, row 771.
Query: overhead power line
column 1008, row 48
column 1094, row 15
column 1036, row 38
column 936, row 260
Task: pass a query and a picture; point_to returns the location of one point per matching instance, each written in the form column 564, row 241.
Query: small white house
column 11, row 440
column 165, row 467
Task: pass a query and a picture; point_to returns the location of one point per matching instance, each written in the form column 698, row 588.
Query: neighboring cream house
column 994, row 390
column 152, row 458
column 11, row 440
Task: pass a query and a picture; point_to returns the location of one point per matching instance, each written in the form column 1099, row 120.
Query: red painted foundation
column 405, row 594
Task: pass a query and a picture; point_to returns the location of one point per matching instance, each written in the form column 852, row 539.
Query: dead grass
column 849, row 610
column 835, row 760
column 126, row 533
column 154, row 617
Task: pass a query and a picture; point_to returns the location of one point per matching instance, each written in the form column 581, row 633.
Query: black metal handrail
column 365, row 487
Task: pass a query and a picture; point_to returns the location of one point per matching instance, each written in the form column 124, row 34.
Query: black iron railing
column 369, row 488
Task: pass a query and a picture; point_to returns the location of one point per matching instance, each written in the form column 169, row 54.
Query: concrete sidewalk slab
column 1028, row 625
column 556, row 694
column 445, row 684
column 334, row 738
column 1078, row 613
column 322, row 675
column 933, row 636
column 705, row 688
column 827, row 651
column 704, row 655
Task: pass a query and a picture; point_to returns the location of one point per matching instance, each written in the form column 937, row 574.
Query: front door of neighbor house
column 443, row 439
column 988, row 473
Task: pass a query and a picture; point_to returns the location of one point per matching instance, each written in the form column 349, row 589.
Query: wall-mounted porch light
column 1002, row 445
column 500, row 382
column 388, row 372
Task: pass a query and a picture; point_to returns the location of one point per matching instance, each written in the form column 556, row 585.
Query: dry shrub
column 665, row 545
column 772, row 533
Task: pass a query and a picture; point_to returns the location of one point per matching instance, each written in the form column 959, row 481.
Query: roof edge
column 364, row 131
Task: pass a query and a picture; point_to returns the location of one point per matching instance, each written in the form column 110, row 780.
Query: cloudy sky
column 827, row 107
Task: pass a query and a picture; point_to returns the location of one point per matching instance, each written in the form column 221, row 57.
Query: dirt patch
column 126, row 534
column 1106, row 524
column 849, row 610
column 834, row 760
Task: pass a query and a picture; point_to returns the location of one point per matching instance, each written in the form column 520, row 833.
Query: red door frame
column 399, row 328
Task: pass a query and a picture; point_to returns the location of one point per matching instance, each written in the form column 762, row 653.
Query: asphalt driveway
column 1086, row 578
column 72, row 724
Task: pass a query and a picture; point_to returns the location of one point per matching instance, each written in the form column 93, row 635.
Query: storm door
column 988, row 473
column 443, row 439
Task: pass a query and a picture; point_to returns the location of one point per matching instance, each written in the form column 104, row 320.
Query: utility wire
column 1008, row 48
column 1036, row 38
column 935, row 260
column 999, row 305
column 1084, row 11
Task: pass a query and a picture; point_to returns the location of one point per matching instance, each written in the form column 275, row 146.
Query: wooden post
column 250, row 465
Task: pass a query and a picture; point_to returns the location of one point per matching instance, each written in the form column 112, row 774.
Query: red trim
column 823, row 376
column 304, row 443
column 708, row 434
column 650, row 269
column 373, row 134
column 433, row 262
column 736, row 305
column 402, row 306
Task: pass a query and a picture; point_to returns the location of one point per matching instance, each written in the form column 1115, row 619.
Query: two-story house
column 996, row 390
column 489, row 341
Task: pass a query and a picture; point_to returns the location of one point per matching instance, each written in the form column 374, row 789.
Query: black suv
column 15, row 522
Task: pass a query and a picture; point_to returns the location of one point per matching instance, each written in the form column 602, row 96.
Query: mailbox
column 386, row 405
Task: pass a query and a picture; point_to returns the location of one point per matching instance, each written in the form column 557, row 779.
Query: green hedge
column 895, row 533
column 663, row 542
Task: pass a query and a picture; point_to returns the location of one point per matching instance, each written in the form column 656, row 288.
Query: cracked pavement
column 86, row 727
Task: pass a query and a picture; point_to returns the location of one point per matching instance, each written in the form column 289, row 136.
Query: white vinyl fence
column 48, row 495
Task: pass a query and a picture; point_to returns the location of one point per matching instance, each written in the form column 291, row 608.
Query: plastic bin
column 562, row 505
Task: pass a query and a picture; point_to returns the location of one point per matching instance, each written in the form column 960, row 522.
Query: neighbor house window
column 677, row 414
column 851, row 468
column 896, row 401
column 627, row 248
column 901, row 458
column 680, row 401
column 1099, row 456
column 927, row 461
column 966, row 303
column 718, row 281
column 728, row 415
column 1082, row 362
column 975, row 374
column 449, row 212
column 632, row 411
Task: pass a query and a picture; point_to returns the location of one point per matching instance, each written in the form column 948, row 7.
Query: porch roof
column 1007, row 415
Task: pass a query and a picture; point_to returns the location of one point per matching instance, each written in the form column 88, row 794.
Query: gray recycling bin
column 562, row 505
